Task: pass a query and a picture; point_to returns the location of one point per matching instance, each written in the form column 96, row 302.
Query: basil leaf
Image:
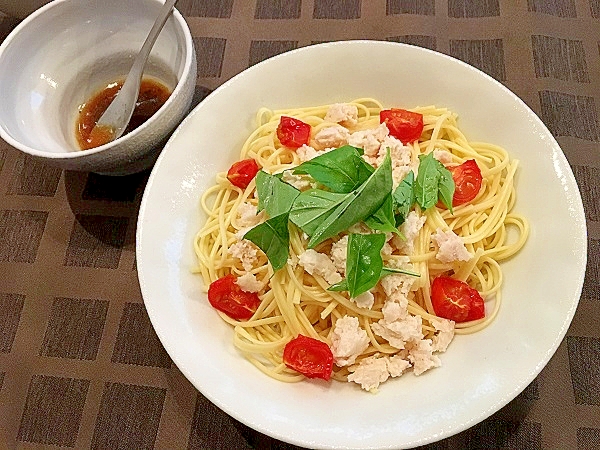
column 353, row 207
column 364, row 262
column 274, row 196
column 446, row 187
column 365, row 170
column 341, row 170
column 434, row 182
column 404, row 197
column 383, row 219
column 313, row 206
column 428, row 178
column 273, row 238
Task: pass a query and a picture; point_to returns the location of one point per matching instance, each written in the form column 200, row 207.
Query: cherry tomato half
column 467, row 181
column 309, row 356
column 226, row 296
column 241, row 173
column 404, row 125
column 456, row 300
column 293, row 132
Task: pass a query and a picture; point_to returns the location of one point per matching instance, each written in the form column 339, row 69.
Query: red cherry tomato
column 467, row 181
column 309, row 356
column 293, row 132
column 241, row 173
column 456, row 300
column 404, row 125
column 226, row 296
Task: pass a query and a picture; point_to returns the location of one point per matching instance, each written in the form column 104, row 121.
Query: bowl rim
column 187, row 68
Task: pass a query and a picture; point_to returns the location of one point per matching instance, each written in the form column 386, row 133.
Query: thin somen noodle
column 297, row 300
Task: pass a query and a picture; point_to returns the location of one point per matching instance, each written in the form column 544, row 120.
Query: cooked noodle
column 295, row 302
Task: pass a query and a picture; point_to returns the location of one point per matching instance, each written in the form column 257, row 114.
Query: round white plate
column 481, row 372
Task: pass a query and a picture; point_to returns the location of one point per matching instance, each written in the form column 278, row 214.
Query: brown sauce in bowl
column 153, row 94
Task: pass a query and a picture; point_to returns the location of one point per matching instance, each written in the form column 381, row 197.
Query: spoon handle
column 140, row 60
column 119, row 112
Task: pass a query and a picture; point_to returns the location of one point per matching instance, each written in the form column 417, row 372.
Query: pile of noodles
column 295, row 302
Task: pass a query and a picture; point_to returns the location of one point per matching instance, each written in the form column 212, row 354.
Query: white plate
column 481, row 372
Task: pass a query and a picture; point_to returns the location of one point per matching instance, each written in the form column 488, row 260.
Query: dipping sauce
column 153, row 94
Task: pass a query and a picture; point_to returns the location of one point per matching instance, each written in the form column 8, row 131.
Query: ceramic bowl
column 65, row 52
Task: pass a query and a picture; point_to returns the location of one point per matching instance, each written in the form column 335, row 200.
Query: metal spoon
column 115, row 119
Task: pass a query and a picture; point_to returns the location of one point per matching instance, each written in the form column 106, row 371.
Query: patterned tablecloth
column 80, row 364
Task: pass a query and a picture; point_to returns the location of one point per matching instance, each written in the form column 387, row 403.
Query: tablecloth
column 80, row 364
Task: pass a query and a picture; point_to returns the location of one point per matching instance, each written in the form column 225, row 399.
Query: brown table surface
column 80, row 364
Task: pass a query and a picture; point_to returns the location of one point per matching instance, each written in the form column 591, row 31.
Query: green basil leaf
column 273, row 238
column 365, row 170
column 313, row 206
column 364, row 262
column 341, row 170
column 434, row 182
column 404, row 197
column 446, row 187
column 383, row 219
column 428, row 178
column 274, row 196
column 354, row 207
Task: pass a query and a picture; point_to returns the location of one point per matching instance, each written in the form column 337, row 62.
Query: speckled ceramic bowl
column 65, row 52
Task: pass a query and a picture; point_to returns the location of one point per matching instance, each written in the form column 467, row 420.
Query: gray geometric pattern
column 570, row 115
column 559, row 58
column 419, row 7
column 558, row 8
column 487, row 55
column 473, row 8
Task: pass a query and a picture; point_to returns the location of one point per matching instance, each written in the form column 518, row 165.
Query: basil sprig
column 383, row 219
column 434, row 182
column 341, row 170
column 350, row 191
column 404, row 198
column 274, row 195
column 364, row 264
column 273, row 238
column 322, row 214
